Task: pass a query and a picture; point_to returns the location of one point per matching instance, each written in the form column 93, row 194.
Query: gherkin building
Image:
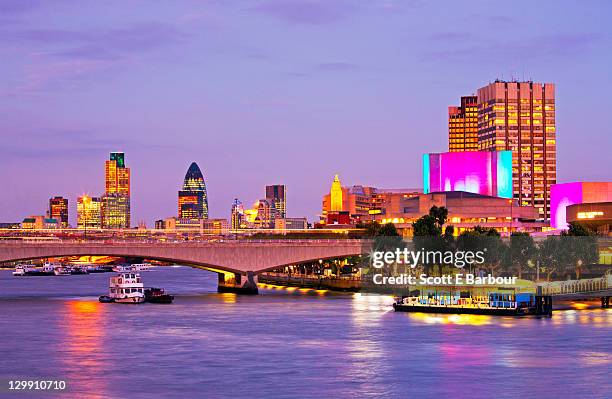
column 192, row 198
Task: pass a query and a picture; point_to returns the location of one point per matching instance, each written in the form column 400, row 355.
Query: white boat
column 125, row 287
column 141, row 267
column 123, row 268
column 24, row 270
column 61, row 271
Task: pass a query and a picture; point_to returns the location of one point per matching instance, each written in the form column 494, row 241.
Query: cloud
column 305, row 12
column 336, row 67
column 468, row 48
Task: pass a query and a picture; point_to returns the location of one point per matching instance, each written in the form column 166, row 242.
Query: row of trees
column 555, row 255
column 519, row 255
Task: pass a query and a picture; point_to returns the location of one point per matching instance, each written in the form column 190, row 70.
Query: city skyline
column 259, row 113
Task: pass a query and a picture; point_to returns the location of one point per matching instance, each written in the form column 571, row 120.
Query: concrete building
column 215, row 226
column 290, row 224
column 596, row 216
column 566, row 194
column 465, row 211
column 357, row 201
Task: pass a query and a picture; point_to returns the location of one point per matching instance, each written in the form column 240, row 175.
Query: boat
column 94, row 269
column 61, row 271
column 125, row 287
column 498, row 303
column 48, row 269
column 32, row 270
column 24, row 270
column 157, row 295
column 78, row 270
column 123, row 268
column 141, row 267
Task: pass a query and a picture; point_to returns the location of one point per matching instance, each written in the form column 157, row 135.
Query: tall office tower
column 336, row 195
column 116, row 200
column 238, row 221
column 89, row 214
column 463, row 125
column 266, row 215
column 58, row 210
column 520, row 117
column 192, row 199
column 277, row 196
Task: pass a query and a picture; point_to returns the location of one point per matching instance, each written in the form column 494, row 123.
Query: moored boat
column 502, row 303
column 157, row 295
column 61, row 271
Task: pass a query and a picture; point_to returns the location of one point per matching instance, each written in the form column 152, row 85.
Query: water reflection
column 83, row 347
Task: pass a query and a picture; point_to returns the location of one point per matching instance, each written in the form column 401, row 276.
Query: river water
column 286, row 343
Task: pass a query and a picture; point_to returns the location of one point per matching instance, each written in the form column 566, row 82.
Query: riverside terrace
column 238, row 262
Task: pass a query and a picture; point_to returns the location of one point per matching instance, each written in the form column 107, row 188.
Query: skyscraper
column 237, row 221
column 89, row 212
column 192, row 199
column 277, row 196
column 520, row 117
column 463, row 125
column 58, row 209
column 116, row 199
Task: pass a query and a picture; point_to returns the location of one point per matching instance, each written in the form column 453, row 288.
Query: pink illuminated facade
column 566, row 194
column 479, row 172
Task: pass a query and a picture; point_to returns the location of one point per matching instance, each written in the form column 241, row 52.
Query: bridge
column 237, row 262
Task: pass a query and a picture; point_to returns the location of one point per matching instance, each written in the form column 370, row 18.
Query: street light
column 510, row 202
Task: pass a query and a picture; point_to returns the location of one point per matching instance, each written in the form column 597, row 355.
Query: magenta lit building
column 566, row 194
column 479, row 172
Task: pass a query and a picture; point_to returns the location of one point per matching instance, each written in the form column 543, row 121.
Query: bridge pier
column 238, row 283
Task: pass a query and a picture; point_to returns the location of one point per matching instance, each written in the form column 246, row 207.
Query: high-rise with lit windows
column 277, row 196
column 58, row 210
column 116, row 199
column 520, row 117
column 463, row 125
column 89, row 212
column 192, row 199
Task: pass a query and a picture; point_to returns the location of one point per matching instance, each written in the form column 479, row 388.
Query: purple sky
column 261, row 92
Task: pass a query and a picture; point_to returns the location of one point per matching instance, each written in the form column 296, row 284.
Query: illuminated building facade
column 463, row 125
column 266, row 215
column 290, row 224
column 192, row 199
column 336, row 196
column 39, row 222
column 277, row 195
column 58, row 210
column 597, row 216
column 238, row 219
column 480, row 172
column 358, row 202
column 115, row 208
column 520, row 117
column 465, row 211
column 89, row 212
column 567, row 194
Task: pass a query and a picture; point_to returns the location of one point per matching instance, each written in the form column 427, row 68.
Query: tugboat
column 125, row 287
column 157, row 295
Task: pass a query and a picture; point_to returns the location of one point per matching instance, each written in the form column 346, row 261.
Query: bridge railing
column 577, row 286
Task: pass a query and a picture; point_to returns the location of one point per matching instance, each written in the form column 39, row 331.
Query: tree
column 577, row 230
column 551, row 256
column 483, row 239
column 522, row 251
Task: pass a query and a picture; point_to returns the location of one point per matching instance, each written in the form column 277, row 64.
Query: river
column 286, row 343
